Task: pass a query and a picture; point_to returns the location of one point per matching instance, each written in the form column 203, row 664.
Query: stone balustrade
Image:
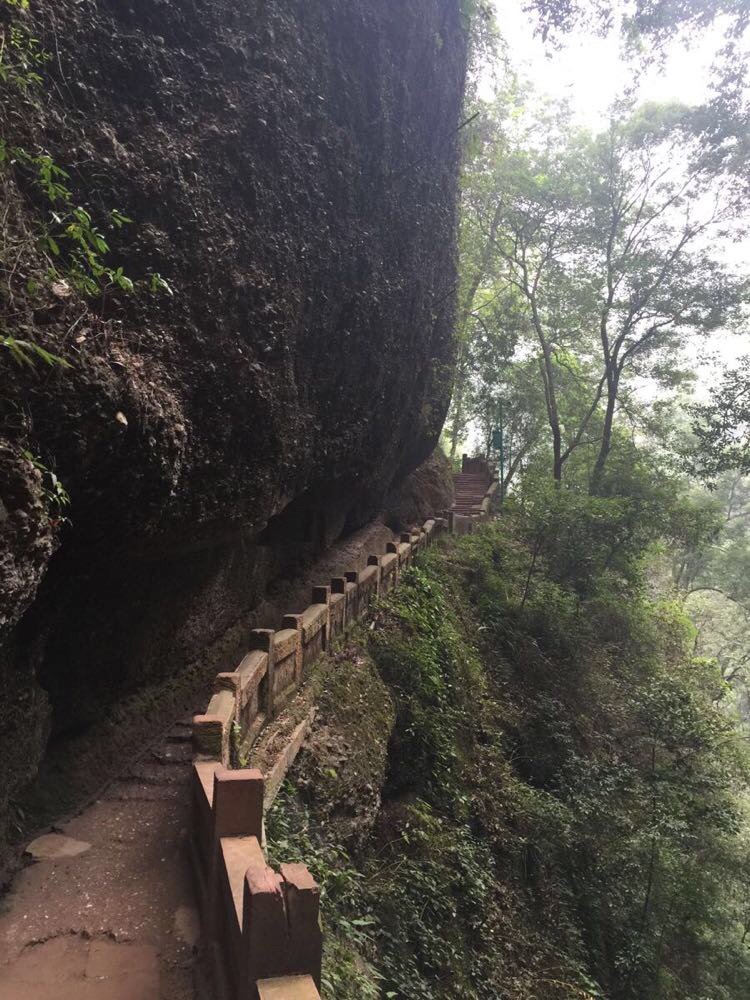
column 262, row 927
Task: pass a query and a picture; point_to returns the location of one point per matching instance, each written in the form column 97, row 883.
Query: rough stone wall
column 291, row 170
column 428, row 490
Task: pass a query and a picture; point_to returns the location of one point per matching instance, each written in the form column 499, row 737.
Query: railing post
column 373, row 560
column 352, row 576
column 322, row 595
column 338, row 586
column 238, row 803
column 262, row 638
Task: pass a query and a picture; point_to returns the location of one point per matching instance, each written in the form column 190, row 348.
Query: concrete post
column 238, row 803
column 322, row 595
column 352, row 576
column 295, row 622
column 264, row 929
column 262, row 638
column 373, row 560
column 302, row 896
column 338, row 586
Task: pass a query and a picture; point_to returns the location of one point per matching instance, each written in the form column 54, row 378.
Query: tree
column 509, row 394
column 711, row 574
column 605, row 241
column 646, row 28
column 722, row 630
column 723, row 565
column 652, row 21
column 722, row 426
column 483, row 152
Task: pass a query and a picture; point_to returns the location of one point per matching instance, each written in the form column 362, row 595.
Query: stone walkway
column 104, row 911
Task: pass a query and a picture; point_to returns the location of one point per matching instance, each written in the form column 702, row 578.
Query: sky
column 591, row 73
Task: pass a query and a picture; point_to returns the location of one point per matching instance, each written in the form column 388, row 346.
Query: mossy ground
column 416, row 902
column 515, row 853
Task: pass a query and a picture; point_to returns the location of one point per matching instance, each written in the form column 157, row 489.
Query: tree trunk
column 552, row 414
column 532, row 567
column 517, row 459
column 458, row 408
column 595, row 484
column 557, row 455
column 462, row 326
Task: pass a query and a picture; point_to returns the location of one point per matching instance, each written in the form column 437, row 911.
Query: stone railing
column 261, row 927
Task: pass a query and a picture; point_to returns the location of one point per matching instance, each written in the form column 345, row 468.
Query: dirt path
column 105, row 909
column 105, row 912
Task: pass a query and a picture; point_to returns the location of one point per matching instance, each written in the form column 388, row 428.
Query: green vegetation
column 54, row 492
column 529, row 779
column 69, row 245
column 610, row 610
column 291, row 835
column 722, row 426
column 345, row 773
column 564, row 806
column 589, row 261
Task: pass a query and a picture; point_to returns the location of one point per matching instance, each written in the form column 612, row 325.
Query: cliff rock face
column 427, row 491
column 290, row 169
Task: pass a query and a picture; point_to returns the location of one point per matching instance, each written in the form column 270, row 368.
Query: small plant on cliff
column 25, row 352
column 73, row 233
column 73, row 245
column 65, row 250
column 54, row 492
column 21, row 54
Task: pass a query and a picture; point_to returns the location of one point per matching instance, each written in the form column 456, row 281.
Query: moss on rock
column 342, row 768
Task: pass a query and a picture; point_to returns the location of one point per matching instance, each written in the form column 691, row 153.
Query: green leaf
column 159, row 284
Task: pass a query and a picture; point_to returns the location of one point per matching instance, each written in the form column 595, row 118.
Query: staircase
column 471, row 485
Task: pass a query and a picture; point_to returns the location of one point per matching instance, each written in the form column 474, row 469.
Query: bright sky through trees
column 589, row 72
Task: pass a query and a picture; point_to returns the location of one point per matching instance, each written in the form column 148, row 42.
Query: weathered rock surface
column 342, row 768
column 426, row 491
column 291, row 171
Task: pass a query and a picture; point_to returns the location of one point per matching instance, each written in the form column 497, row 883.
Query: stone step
column 155, row 773
column 133, row 791
column 178, row 752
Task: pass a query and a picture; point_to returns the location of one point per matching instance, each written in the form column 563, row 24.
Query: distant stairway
column 471, row 485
